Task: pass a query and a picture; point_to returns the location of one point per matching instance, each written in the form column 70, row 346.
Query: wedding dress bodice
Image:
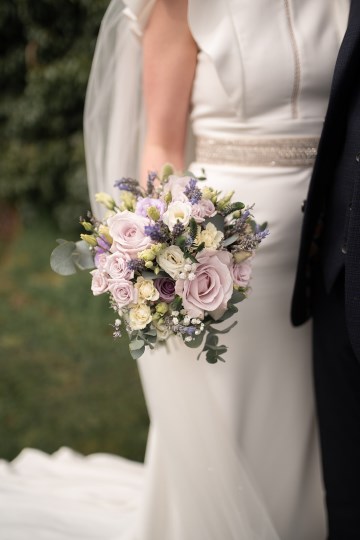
column 264, row 68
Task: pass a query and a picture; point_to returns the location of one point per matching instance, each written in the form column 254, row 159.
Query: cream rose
column 139, row 316
column 171, row 260
column 177, row 211
column 210, row 236
column 146, row 290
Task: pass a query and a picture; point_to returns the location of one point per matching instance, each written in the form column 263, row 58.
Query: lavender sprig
column 128, row 184
column 192, row 192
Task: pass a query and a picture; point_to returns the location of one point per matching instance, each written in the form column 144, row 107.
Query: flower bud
column 105, row 199
column 87, row 226
column 149, row 264
column 89, row 239
column 153, row 213
column 166, row 170
column 162, row 308
column 104, row 231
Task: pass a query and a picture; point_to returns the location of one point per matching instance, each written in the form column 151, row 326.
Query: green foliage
column 63, row 379
column 46, row 51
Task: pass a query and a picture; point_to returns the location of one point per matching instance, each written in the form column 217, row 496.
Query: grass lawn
column 63, row 379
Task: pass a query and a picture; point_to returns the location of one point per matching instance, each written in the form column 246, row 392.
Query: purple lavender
column 136, row 265
column 128, row 184
column 152, row 175
column 157, row 231
column 192, row 192
column 178, row 229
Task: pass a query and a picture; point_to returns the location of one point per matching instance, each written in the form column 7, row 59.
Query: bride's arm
column 169, row 66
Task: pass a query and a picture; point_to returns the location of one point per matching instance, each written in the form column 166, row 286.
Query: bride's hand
column 170, row 55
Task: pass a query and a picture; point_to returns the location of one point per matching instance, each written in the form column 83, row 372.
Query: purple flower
column 157, row 231
column 143, row 204
column 192, row 192
column 128, row 184
column 166, row 288
column 102, row 242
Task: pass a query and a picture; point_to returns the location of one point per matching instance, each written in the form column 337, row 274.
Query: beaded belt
column 274, row 152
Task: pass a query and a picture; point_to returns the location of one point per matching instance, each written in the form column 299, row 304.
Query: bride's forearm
column 170, row 56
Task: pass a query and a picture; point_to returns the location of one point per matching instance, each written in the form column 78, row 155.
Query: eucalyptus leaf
column 136, row 344
column 146, row 274
column 82, row 256
column 231, row 310
column 217, row 220
column 230, row 240
column 196, row 342
column 61, row 259
column 211, row 357
column 213, row 330
column 137, row 353
column 237, row 296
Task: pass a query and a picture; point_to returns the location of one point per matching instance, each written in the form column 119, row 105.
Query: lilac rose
column 203, row 209
column 122, row 291
column 241, row 274
column 99, row 283
column 117, row 266
column 212, row 287
column 127, row 232
column 166, row 288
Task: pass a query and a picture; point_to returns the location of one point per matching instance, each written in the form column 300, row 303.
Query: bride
column 232, row 451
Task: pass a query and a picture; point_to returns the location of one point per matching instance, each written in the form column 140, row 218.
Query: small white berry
column 188, row 338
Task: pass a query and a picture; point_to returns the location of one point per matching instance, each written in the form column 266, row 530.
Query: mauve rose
column 241, row 274
column 122, row 291
column 100, row 258
column 203, row 209
column 143, row 204
column 127, row 231
column 117, row 266
column 212, row 287
column 166, row 288
column 176, row 185
column 99, row 283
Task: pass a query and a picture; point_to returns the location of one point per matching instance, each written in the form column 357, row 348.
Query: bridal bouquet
column 173, row 258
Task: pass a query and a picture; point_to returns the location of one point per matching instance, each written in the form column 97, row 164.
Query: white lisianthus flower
column 177, row 211
column 139, row 316
column 171, row 260
column 210, row 236
column 146, row 290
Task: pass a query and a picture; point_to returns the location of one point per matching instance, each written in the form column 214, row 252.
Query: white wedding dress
column 232, row 451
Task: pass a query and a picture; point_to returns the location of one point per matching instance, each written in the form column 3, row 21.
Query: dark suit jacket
column 332, row 210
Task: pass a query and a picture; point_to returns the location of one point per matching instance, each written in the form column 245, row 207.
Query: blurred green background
column 63, row 379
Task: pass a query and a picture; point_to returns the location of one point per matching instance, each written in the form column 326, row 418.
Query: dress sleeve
column 138, row 12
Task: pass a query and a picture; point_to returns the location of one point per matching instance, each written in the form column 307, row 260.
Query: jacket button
column 358, row 157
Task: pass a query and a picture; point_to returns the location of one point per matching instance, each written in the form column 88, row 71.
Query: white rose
column 171, row 260
column 146, row 290
column 177, row 211
column 210, row 236
column 122, row 291
column 99, row 283
column 139, row 316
